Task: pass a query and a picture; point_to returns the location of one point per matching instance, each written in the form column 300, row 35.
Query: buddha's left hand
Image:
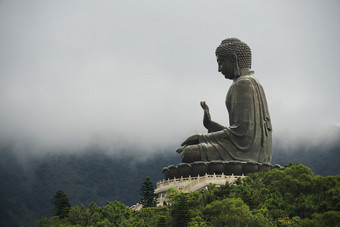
column 194, row 139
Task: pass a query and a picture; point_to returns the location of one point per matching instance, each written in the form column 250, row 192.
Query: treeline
column 291, row 196
column 28, row 182
column 27, row 186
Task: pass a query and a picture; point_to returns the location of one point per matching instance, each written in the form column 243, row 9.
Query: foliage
column 151, row 216
column 180, row 210
column 28, row 182
column 147, row 191
column 113, row 214
column 61, row 204
column 291, row 196
column 228, row 212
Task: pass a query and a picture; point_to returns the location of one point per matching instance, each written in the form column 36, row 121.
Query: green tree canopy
column 228, row 212
column 61, row 204
column 180, row 210
column 147, row 191
column 290, row 196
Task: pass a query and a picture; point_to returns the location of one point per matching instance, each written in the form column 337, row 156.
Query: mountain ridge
column 95, row 175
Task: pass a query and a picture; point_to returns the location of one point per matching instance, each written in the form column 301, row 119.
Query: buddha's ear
column 235, row 65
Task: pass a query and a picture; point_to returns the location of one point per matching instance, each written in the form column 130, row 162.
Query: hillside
column 27, row 188
column 28, row 185
column 290, row 196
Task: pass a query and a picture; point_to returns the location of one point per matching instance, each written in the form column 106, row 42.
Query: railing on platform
column 198, row 179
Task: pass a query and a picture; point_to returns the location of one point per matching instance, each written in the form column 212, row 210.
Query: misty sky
column 116, row 73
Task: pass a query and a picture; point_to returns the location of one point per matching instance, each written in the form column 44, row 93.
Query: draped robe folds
column 249, row 137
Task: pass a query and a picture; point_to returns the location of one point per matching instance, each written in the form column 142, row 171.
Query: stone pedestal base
column 191, row 184
column 218, row 167
column 190, row 177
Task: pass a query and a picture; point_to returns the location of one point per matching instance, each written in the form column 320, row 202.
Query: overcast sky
column 116, row 73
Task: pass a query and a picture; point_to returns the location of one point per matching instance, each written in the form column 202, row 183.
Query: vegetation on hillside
column 147, row 193
column 291, row 196
column 29, row 181
column 28, row 186
column 61, row 204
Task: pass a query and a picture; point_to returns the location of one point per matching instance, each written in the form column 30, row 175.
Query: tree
column 115, row 212
column 61, row 204
column 180, row 210
column 228, row 212
column 147, row 191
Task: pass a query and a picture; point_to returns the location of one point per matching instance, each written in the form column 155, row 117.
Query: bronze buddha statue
column 249, row 135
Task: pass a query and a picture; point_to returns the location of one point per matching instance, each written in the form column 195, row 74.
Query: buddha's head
column 233, row 56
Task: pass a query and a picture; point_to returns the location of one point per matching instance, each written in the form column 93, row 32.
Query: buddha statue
column 249, row 135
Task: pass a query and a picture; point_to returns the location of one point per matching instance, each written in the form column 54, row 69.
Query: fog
column 117, row 74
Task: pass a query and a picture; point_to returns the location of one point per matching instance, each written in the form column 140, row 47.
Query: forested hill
column 290, row 196
column 28, row 186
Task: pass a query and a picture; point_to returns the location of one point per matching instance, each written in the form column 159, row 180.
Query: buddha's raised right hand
column 206, row 117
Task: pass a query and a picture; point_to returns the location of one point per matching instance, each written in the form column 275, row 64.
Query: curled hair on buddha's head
column 233, row 46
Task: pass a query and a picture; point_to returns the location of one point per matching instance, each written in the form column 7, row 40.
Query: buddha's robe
column 249, row 137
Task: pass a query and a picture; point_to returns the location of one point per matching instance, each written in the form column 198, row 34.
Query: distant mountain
column 319, row 150
column 28, row 185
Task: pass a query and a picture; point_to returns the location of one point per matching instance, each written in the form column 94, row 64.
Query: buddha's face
column 225, row 67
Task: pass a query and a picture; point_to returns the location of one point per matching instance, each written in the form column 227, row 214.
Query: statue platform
column 191, row 184
column 215, row 167
column 190, row 177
